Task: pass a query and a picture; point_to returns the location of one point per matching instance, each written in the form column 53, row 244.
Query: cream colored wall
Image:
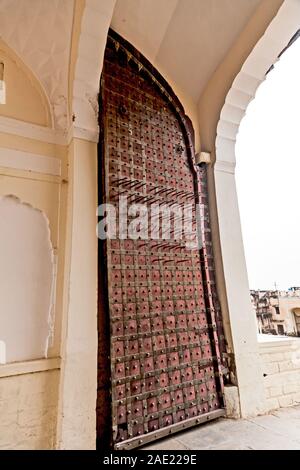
column 34, row 169
column 28, row 406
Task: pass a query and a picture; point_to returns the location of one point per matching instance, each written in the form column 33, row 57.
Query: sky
column 268, row 177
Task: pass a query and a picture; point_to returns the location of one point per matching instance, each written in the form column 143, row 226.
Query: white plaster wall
column 28, row 410
column 26, row 280
column 242, row 321
column 280, row 362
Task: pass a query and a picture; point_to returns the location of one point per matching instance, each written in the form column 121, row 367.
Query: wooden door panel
column 165, row 361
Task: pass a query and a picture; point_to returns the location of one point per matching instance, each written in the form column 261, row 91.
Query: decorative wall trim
column 29, row 367
column 46, row 134
column 19, row 160
column 32, row 131
column 30, row 175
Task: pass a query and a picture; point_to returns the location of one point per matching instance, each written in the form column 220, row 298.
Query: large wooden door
column 165, row 325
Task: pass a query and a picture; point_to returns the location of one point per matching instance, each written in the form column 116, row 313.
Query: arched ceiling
column 39, row 31
column 186, row 39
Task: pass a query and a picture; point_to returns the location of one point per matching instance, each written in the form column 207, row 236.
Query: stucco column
column 241, row 315
column 78, row 390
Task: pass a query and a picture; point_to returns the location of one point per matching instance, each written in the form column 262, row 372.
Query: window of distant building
column 2, row 84
column 277, row 311
column 280, row 329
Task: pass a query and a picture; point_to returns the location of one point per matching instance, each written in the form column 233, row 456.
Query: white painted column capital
column 95, row 24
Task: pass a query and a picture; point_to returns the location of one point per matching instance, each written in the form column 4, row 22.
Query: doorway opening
column 161, row 342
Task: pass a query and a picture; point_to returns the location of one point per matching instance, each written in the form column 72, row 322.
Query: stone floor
column 279, row 430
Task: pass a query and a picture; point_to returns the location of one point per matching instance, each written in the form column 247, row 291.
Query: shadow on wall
column 26, row 281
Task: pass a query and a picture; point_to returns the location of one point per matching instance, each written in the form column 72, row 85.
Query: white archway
column 243, row 90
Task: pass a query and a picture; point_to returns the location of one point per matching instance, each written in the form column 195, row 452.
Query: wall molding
column 32, row 131
column 20, row 160
column 29, row 367
column 47, row 134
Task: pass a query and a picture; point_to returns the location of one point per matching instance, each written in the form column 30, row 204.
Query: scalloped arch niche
column 26, row 281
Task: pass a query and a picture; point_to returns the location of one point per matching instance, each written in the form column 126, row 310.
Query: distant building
column 277, row 312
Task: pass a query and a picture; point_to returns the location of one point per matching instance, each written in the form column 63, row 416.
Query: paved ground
column 279, row 430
